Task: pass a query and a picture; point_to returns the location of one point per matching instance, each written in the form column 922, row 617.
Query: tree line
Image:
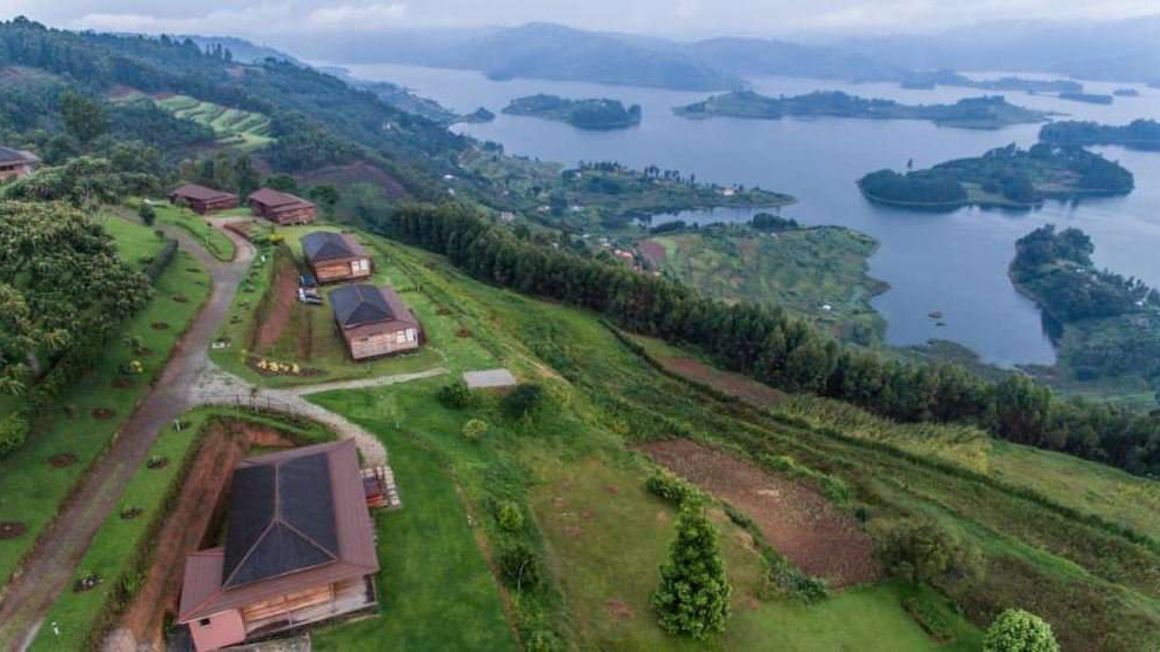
column 768, row 345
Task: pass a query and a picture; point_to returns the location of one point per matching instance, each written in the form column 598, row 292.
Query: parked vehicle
column 310, row 297
column 307, row 280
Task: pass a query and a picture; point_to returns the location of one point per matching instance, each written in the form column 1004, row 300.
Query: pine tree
column 693, row 597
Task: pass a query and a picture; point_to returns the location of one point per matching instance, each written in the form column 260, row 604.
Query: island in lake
column 928, row 79
column 1090, row 98
column 1126, row 92
column 478, row 116
column 1003, row 177
column 597, row 114
column 1106, row 327
column 1138, row 134
column 987, row 112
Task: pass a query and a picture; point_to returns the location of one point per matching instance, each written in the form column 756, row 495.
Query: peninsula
column 1138, row 134
column 595, row 114
column 986, row 112
column 1006, row 177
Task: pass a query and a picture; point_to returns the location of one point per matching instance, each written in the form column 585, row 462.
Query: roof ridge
column 242, row 562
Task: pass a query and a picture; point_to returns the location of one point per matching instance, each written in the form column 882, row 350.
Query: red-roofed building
column 281, row 207
column 299, row 549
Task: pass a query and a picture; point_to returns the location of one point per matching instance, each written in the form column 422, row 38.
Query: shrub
column 523, row 402
column 920, row 550
column 693, row 597
column 1016, row 630
column 455, row 395
column 509, row 516
column 929, row 618
column 519, row 567
column 13, row 432
column 671, row 487
column 147, row 214
column 475, row 429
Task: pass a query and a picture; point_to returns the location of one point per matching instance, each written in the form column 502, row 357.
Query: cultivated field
column 234, row 127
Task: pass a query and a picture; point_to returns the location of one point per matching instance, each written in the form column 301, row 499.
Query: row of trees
column 766, row 344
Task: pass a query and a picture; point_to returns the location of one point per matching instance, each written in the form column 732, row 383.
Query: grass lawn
column 436, row 590
column 214, row 241
column 311, row 340
column 31, row 489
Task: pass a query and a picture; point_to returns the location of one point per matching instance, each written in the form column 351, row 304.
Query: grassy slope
column 576, row 451
column 243, row 129
column 214, row 240
column 31, row 490
column 1105, row 585
column 802, row 270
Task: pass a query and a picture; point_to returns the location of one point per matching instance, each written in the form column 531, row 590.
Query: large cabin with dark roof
column 335, row 256
column 281, row 207
column 203, row 200
column 374, row 321
column 299, row 549
column 16, row 163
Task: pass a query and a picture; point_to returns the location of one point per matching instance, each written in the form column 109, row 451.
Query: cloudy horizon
column 268, row 20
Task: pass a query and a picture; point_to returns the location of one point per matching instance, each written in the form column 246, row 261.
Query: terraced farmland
column 234, row 127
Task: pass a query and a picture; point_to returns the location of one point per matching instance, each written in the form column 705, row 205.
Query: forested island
column 930, row 79
column 595, row 114
column 1007, row 177
column 1138, row 134
column 1090, row 98
column 986, row 112
column 1105, row 326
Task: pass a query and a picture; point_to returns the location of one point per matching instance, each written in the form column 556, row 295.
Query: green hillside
column 233, row 127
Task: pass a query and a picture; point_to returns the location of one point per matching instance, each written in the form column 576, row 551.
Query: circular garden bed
column 11, row 529
column 62, row 460
column 102, row 413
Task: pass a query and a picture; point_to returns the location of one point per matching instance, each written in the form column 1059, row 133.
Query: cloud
column 265, row 18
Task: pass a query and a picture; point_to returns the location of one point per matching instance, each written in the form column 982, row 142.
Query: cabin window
column 360, row 265
column 410, row 334
column 400, row 337
column 204, row 622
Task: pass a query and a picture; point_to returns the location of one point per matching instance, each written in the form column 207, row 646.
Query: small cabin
column 335, row 257
column 374, row 321
column 203, row 200
column 299, row 549
column 281, row 208
column 16, row 163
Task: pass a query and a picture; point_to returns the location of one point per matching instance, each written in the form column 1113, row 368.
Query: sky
column 692, row 18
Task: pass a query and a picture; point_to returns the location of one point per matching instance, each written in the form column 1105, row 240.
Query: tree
column 282, row 182
column 693, row 597
column 84, row 117
column 455, row 395
column 147, row 214
column 523, row 402
column 1016, row 630
column 325, row 194
column 246, row 175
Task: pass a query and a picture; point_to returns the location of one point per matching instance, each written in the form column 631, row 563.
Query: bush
column 455, row 395
column 509, row 516
column 1016, row 630
column 671, row 487
column 475, row 429
column 928, row 617
column 13, row 432
column 523, row 402
column 519, row 567
column 919, row 550
column 693, row 597
column 147, row 214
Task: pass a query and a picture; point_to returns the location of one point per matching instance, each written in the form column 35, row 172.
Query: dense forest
column 1139, row 134
column 1005, row 176
column 788, row 353
column 595, row 114
column 1111, row 323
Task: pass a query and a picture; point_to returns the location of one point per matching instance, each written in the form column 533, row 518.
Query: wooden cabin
column 203, row 200
column 299, row 549
column 281, row 207
column 16, row 163
column 374, row 321
column 335, row 256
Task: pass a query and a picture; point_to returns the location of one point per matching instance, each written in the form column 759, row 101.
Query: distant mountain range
column 549, row 51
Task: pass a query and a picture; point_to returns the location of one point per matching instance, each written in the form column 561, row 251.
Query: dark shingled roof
column 281, row 520
column 9, row 155
column 325, row 245
column 360, row 304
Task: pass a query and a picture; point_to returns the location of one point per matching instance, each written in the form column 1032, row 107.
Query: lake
column 954, row 263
